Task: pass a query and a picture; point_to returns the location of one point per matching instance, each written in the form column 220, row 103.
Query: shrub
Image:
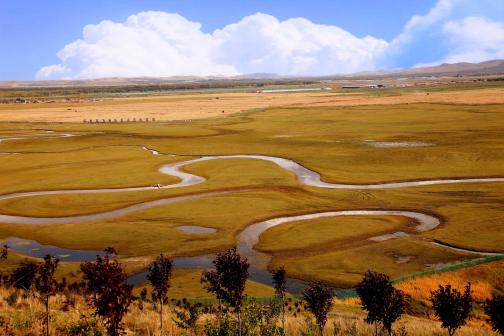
column 221, row 327
column 187, row 318
column 452, row 307
column 83, row 327
column 23, row 277
column 310, row 328
column 12, row 299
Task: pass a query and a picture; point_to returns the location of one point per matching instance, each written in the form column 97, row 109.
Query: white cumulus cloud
column 147, row 44
column 475, row 39
column 159, row 44
column 262, row 43
column 441, row 10
column 165, row 44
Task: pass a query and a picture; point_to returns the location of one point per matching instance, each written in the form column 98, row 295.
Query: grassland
column 320, row 233
column 345, row 319
column 345, row 316
column 467, row 141
column 485, row 279
column 184, row 106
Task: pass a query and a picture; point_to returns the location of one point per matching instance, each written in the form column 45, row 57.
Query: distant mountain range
column 488, row 67
column 446, row 69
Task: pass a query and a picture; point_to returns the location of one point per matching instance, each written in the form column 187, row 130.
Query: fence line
column 117, row 121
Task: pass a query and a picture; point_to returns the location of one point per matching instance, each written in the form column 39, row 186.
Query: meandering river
column 249, row 237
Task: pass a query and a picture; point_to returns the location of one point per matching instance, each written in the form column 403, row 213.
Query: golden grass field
column 327, row 132
column 345, row 319
column 211, row 105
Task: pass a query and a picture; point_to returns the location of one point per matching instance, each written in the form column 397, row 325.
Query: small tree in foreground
column 451, row 306
column 187, row 317
column 319, row 299
column 227, row 281
column 494, row 308
column 280, row 284
column 159, row 275
column 111, row 296
column 46, row 285
column 383, row 303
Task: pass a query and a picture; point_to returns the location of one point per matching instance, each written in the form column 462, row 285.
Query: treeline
column 10, row 94
column 104, row 284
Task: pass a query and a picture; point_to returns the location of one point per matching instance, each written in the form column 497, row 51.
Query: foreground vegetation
column 35, row 303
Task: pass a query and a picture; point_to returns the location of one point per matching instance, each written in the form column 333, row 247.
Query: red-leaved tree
column 227, row 281
column 110, row 294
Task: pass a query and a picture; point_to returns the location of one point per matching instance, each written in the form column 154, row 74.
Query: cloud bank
column 162, row 44
column 474, row 39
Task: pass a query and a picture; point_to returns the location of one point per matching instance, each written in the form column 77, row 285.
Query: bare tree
column 452, row 307
column 159, row 275
column 227, row 281
column 319, row 299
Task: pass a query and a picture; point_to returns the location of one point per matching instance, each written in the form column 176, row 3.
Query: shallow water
column 246, row 241
column 247, row 238
column 397, row 144
column 304, row 175
column 40, row 136
column 107, row 214
column 33, row 248
column 195, row 229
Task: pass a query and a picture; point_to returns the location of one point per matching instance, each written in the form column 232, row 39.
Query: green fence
column 350, row 293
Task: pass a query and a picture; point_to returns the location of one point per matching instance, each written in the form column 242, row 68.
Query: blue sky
column 40, row 39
